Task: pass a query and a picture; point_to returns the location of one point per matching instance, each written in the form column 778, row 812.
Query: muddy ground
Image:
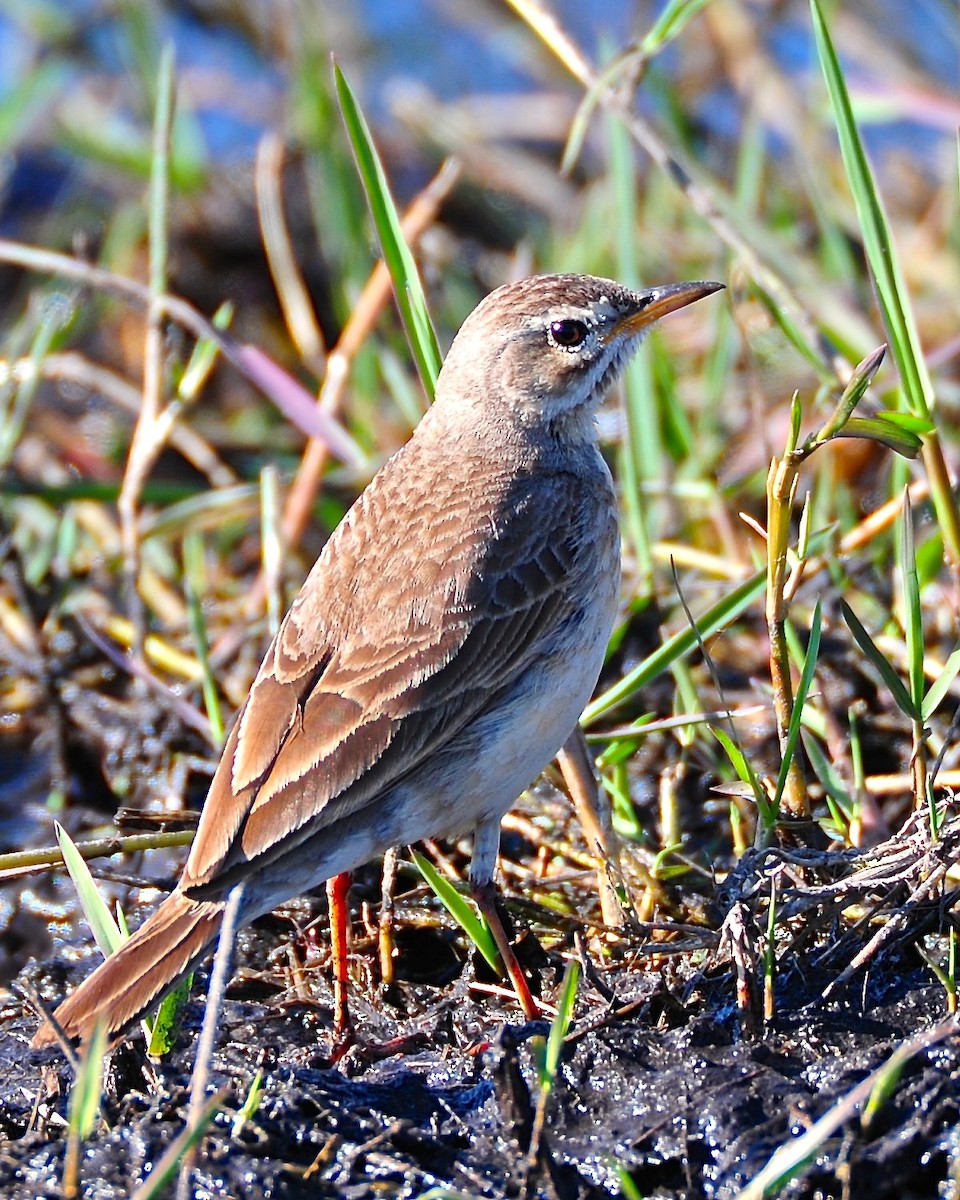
column 671, row 1079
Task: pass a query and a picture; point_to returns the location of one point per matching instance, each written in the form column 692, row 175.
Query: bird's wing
column 394, row 644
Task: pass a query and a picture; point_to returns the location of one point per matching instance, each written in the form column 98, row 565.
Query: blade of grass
column 884, row 261
column 560, row 1026
column 95, row 909
column 803, row 690
column 912, row 615
column 193, row 576
column 473, row 926
column 396, row 253
column 748, row 775
column 162, row 1029
column 550, row 1063
column 886, row 670
column 941, row 685
column 85, row 1097
column 727, row 609
column 87, row 1088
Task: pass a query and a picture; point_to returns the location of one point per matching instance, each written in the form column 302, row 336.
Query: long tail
column 163, row 950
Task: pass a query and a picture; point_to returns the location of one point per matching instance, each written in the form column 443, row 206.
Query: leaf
column 87, row 1088
column 913, row 617
column 803, row 690
column 561, row 1024
column 878, row 241
column 165, row 1026
column 860, row 379
column 940, row 686
column 747, row 775
column 95, row 910
column 397, row 256
column 473, row 926
column 726, row 609
column 885, row 431
column 887, row 671
column 913, row 424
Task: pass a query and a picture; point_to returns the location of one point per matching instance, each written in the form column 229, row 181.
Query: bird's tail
column 130, row 982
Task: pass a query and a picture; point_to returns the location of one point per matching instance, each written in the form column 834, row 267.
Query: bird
column 440, row 651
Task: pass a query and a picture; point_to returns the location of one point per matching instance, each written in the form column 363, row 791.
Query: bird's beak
column 657, row 302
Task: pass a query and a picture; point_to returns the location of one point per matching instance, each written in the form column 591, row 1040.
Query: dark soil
column 666, row 1077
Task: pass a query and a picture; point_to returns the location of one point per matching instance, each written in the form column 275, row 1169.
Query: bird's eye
column 568, row 333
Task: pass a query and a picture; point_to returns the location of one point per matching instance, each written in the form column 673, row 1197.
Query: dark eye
column 568, row 333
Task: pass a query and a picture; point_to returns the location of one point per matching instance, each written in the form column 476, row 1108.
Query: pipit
column 442, row 648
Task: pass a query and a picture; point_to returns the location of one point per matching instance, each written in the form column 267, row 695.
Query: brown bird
column 442, row 648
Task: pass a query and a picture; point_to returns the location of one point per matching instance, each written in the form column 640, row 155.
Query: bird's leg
column 483, row 866
column 337, row 889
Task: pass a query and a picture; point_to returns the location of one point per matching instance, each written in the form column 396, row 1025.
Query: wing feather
column 383, row 658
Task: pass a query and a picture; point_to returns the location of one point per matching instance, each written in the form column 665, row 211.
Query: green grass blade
column 560, row 1026
column 727, row 609
column 940, row 686
column 473, row 926
column 913, row 618
column 803, row 690
column 396, row 253
column 248, row 1110
column 193, row 573
column 877, row 238
column 670, row 24
column 888, row 433
column 827, row 774
column 888, row 673
column 746, row 773
column 165, row 1026
column 884, row 261
column 87, row 1088
column 95, row 908
column 204, row 355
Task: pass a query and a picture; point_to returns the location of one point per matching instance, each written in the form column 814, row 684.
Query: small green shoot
column 248, row 1110
column 747, row 774
column 885, row 669
column 803, row 690
column 884, row 260
column 473, row 926
column 203, row 357
column 164, row 1027
column 85, row 1097
column 193, row 574
column 559, row 1028
column 399, row 260
column 626, row 820
column 550, row 1062
column 946, row 975
column 95, row 909
column 941, row 685
column 725, row 610
column 628, row 1189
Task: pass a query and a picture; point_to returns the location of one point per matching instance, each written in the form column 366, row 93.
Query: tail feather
column 166, row 947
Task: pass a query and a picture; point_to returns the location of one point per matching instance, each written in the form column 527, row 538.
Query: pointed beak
column 655, row 303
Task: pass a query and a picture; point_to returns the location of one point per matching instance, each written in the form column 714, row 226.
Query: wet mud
column 672, row 1082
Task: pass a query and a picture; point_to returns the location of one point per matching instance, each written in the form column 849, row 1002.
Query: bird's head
column 546, row 348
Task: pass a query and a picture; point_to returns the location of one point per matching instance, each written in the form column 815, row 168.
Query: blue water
column 421, row 40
